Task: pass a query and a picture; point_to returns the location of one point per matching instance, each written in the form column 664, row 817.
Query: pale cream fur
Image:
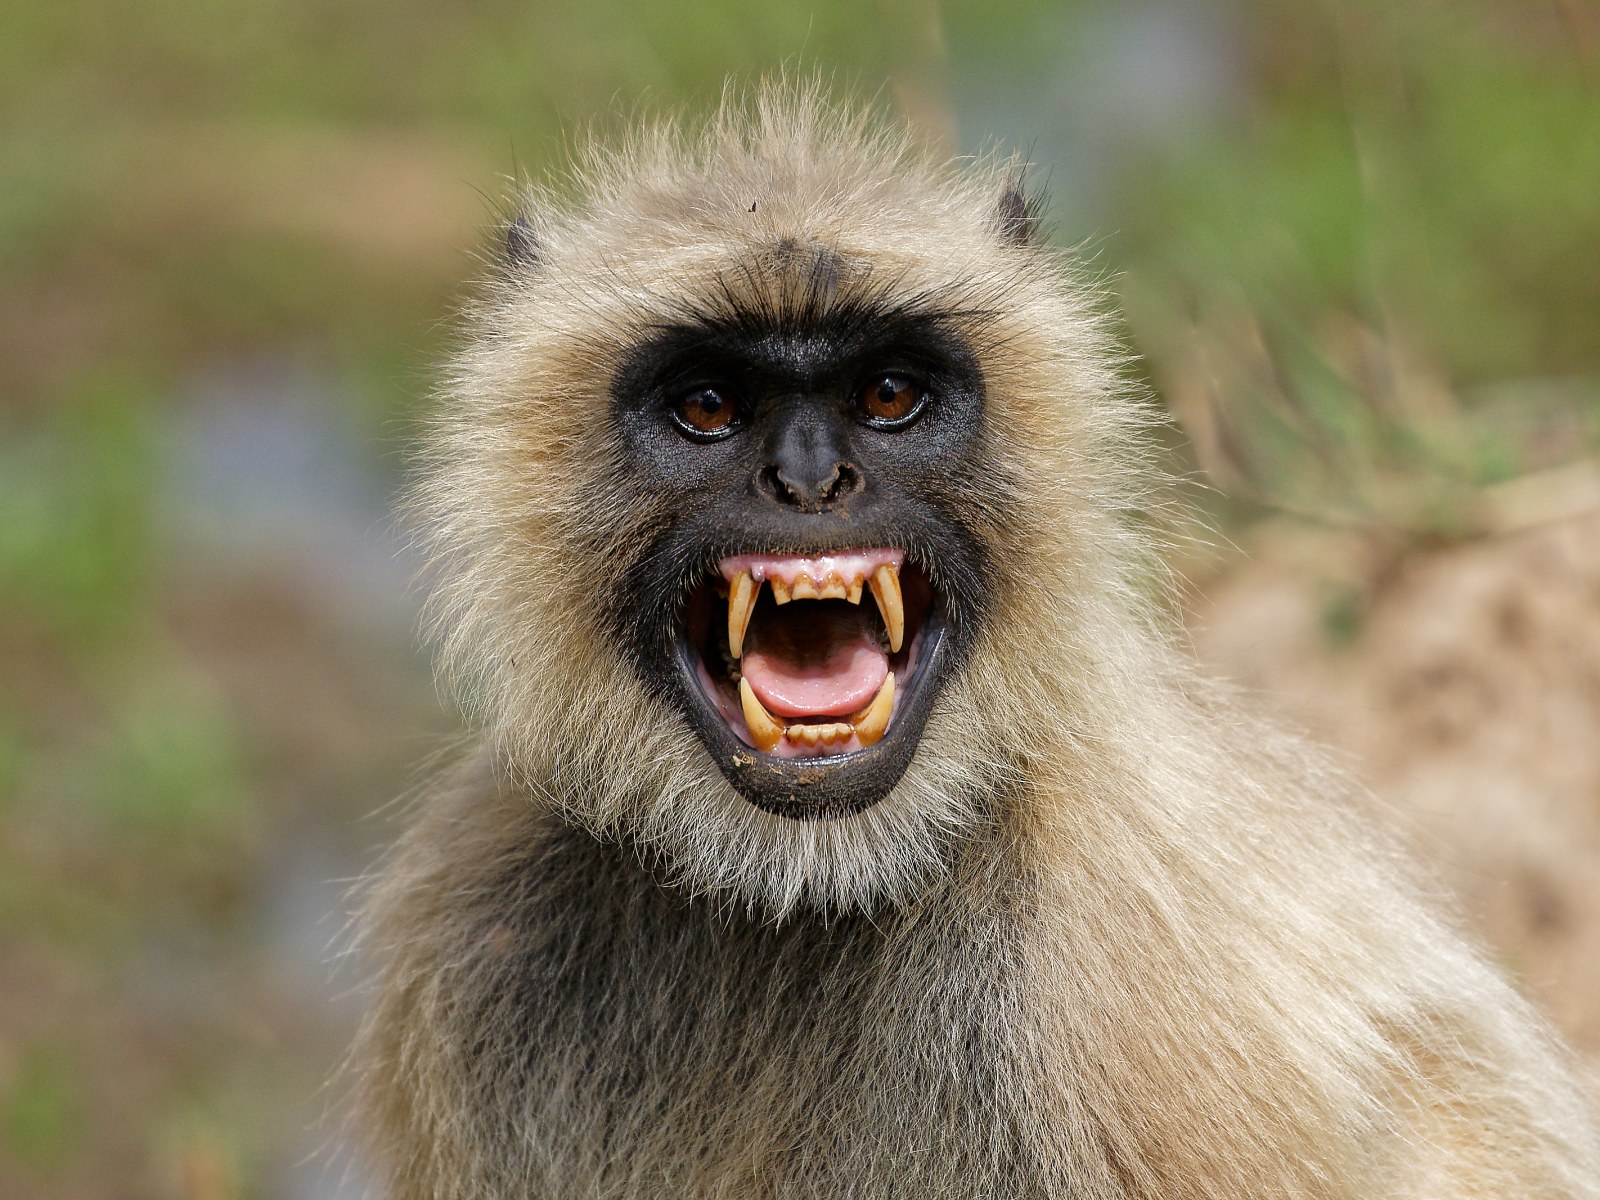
column 1195, row 966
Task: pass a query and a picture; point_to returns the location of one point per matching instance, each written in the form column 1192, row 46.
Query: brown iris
column 705, row 411
column 890, row 399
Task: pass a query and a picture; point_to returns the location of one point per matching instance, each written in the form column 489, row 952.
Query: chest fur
column 633, row 1041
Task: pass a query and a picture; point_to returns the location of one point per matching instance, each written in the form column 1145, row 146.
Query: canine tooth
column 780, row 590
column 764, row 731
column 885, row 586
column 742, row 595
column 871, row 721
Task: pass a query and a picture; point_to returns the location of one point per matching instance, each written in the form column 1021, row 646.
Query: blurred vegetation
column 1356, row 243
column 1365, row 301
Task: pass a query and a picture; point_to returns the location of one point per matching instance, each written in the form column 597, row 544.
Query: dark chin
column 815, row 789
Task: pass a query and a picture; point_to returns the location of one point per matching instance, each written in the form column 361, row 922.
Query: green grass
column 1337, row 281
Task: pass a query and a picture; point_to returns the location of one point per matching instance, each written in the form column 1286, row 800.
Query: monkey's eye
column 891, row 401
column 705, row 413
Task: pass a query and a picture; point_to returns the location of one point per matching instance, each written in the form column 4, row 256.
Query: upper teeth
column 744, row 590
column 886, row 590
column 742, row 594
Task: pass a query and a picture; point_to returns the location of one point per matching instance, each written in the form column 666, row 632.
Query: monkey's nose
column 807, row 466
column 809, row 491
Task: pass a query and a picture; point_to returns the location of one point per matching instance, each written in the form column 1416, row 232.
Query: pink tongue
column 814, row 659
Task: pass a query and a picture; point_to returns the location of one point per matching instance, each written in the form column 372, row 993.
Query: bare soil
column 1463, row 685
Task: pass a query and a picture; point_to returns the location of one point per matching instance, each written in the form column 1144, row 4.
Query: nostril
column 846, row 481
column 770, row 482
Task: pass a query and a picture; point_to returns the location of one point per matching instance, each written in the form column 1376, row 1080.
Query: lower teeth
column 867, row 726
column 838, row 731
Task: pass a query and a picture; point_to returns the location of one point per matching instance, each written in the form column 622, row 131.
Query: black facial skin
column 802, row 468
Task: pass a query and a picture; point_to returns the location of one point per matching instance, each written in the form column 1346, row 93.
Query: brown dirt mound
column 1463, row 684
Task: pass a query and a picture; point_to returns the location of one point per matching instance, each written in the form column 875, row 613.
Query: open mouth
column 813, row 657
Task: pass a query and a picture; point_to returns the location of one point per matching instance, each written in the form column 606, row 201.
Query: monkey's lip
column 809, row 673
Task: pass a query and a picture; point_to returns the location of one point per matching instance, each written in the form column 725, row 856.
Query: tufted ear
column 522, row 244
column 1017, row 215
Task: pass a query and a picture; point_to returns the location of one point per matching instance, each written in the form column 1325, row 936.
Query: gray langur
column 844, row 821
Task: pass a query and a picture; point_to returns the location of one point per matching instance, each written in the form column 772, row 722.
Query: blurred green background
column 1358, row 245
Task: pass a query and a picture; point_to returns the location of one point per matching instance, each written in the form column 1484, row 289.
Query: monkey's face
column 770, row 506
column 813, row 584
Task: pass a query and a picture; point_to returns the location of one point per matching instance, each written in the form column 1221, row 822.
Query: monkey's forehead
column 628, row 269
column 582, row 315
column 786, row 240
column 786, row 209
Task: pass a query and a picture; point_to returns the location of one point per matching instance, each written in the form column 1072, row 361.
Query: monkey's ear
column 1017, row 215
column 522, row 243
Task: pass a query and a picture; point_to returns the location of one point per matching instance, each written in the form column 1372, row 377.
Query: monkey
column 843, row 816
